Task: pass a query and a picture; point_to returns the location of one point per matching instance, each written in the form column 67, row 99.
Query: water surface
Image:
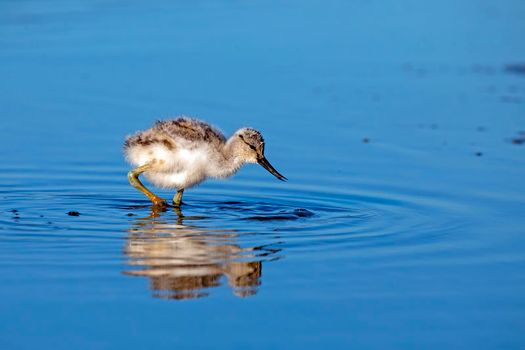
column 400, row 128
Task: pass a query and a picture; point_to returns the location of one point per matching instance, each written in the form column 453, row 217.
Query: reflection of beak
column 262, row 161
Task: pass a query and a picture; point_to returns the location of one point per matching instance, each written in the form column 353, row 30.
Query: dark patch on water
column 283, row 215
column 515, row 68
column 303, row 213
column 519, row 139
column 232, row 203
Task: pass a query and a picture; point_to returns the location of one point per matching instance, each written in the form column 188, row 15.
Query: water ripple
column 224, row 233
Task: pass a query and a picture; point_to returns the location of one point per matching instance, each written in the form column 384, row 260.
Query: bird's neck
column 231, row 161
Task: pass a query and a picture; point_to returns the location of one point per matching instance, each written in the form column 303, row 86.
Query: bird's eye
column 252, row 147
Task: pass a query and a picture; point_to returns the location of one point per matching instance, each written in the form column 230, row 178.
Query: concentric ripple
column 223, row 232
column 186, row 252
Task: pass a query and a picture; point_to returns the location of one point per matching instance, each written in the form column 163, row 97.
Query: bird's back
column 190, row 131
column 180, row 151
column 182, row 132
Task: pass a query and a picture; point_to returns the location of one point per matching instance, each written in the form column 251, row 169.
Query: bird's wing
column 189, row 131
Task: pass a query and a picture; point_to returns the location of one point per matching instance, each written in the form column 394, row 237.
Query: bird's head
column 250, row 147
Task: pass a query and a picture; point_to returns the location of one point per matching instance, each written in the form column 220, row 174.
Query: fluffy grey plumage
column 180, row 153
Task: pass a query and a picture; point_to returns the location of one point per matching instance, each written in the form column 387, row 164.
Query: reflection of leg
column 177, row 198
column 180, row 217
column 133, row 177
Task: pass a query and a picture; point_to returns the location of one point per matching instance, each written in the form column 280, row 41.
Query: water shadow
column 184, row 261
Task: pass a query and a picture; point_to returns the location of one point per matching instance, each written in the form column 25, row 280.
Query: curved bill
column 266, row 165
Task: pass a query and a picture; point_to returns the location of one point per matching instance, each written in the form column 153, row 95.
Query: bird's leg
column 133, row 177
column 177, row 198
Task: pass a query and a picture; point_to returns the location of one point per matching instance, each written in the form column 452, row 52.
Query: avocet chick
column 181, row 153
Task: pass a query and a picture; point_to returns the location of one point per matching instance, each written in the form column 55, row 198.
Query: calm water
column 400, row 127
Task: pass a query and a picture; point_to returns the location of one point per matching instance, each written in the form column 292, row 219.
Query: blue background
column 413, row 239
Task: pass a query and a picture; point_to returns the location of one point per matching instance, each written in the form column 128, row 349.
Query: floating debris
column 515, row 68
column 73, row 213
column 518, row 140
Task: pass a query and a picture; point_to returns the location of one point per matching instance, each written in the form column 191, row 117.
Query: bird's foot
column 159, row 203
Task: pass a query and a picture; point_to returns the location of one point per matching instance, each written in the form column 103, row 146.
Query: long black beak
column 266, row 165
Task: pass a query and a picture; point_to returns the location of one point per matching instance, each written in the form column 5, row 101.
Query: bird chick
column 181, row 153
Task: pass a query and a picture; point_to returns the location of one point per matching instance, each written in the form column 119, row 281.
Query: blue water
column 399, row 125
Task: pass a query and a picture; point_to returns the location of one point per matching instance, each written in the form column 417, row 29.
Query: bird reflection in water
column 184, row 262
